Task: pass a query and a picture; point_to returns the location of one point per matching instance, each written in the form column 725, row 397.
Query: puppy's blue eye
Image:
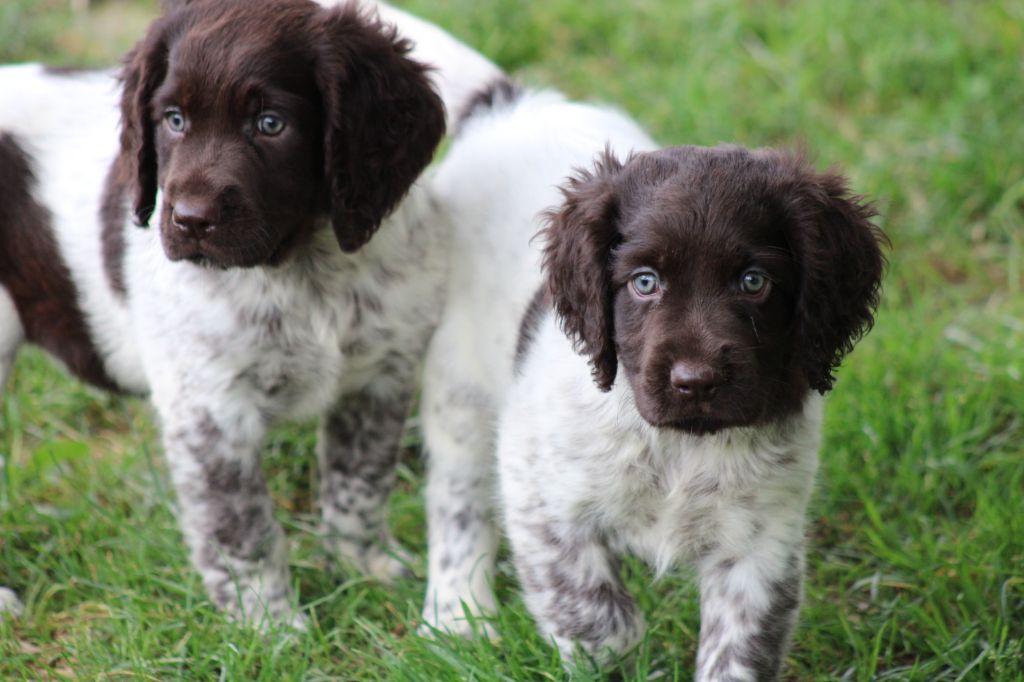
column 646, row 283
column 753, row 282
column 269, row 124
column 175, row 120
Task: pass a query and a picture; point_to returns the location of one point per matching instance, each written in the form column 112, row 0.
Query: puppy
column 662, row 396
column 510, row 152
column 264, row 143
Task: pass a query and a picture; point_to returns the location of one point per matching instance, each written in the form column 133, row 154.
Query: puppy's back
column 59, row 129
column 510, row 153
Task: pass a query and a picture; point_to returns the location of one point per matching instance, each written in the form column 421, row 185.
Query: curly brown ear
column 579, row 238
column 145, row 68
column 383, row 120
column 840, row 254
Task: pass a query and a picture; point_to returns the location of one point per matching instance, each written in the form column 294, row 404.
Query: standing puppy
column 511, row 150
column 665, row 397
column 281, row 264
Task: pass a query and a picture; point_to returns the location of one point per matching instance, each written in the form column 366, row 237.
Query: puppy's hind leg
column 458, row 413
column 357, row 453
column 11, row 336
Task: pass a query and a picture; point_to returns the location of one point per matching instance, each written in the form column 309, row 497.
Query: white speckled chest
column 290, row 339
column 664, row 495
column 675, row 499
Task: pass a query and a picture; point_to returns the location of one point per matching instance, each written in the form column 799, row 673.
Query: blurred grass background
column 916, row 568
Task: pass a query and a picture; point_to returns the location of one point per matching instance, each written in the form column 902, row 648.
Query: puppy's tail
column 500, row 93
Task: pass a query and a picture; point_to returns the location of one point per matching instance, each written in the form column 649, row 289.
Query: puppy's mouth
column 694, row 421
column 699, row 417
column 207, row 256
column 208, row 253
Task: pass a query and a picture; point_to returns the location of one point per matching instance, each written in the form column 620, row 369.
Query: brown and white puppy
column 265, row 142
column 662, row 394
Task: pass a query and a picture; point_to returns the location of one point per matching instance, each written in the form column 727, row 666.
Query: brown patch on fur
column 540, row 304
column 32, row 271
column 502, row 91
column 114, row 219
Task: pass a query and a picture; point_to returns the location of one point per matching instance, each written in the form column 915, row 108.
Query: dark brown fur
column 361, row 123
column 701, row 218
column 113, row 222
column 501, row 91
column 539, row 306
column 33, row 272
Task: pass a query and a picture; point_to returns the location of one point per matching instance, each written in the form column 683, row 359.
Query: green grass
column 917, row 553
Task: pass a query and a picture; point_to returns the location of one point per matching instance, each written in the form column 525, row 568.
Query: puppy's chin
column 697, row 426
column 207, row 254
column 203, row 256
column 699, row 419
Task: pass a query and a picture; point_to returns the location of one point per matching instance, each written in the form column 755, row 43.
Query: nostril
column 194, row 215
column 693, row 380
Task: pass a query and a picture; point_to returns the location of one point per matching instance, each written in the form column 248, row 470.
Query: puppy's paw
column 10, row 607
column 615, row 647
column 451, row 615
column 384, row 560
column 294, row 623
column 448, row 623
column 388, row 564
column 287, row 621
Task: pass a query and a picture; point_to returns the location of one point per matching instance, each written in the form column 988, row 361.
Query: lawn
column 916, row 562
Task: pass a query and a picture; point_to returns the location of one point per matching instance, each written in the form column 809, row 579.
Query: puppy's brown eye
column 175, row 120
column 753, row 282
column 646, row 283
column 269, row 124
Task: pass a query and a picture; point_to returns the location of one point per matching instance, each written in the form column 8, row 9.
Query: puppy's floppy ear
column 841, row 263
column 383, row 120
column 579, row 238
column 145, row 68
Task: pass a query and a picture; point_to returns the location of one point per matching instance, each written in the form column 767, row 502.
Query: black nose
column 694, row 380
column 196, row 216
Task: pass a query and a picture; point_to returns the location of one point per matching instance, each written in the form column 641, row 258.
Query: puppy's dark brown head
column 727, row 283
column 259, row 118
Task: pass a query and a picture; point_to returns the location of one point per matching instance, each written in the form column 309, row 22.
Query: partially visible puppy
column 510, row 152
column 292, row 268
column 666, row 402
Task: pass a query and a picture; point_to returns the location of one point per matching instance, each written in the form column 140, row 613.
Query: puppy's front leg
column 748, row 607
column 226, row 512
column 357, row 454
column 572, row 587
